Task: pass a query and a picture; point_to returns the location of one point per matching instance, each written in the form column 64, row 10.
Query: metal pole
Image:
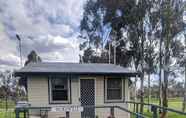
column 19, row 39
column 20, row 52
column 115, row 55
column 109, row 51
column 154, row 110
column 112, row 112
column 16, row 113
column 67, row 114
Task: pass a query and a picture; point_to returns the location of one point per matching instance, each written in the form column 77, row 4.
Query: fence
column 111, row 109
column 44, row 112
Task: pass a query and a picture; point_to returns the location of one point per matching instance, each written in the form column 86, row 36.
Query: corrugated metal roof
column 74, row 68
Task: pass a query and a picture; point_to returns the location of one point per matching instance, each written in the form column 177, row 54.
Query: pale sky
column 50, row 27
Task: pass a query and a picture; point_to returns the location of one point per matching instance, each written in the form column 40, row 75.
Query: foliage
column 33, row 58
column 146, row 29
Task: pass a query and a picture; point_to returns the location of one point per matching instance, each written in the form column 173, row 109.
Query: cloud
column 53, row 48
column 40, row 17
column 9, row 60
column 8, row 53
column 48, row 26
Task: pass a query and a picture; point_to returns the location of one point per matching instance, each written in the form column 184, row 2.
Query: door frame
column 88, row 78
column 93, row 78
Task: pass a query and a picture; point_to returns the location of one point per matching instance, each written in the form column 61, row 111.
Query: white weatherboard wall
column 103, row 113
column 38, row 96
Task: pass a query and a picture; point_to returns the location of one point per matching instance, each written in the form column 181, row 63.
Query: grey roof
column 74, row 68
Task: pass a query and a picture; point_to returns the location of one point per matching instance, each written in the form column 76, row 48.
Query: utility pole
column 19, row 39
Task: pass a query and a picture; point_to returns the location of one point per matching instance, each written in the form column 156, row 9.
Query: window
column 59, row 90
column 114, row 89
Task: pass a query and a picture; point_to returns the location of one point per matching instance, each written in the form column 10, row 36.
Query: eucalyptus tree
column 126, row 18
column 33, row 58
column 171, row 25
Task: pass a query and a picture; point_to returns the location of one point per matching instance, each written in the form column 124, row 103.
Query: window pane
column 59, row 95
column 114, row 94
column 114, row 89
column 59, row 83
column 114, row 83
column 59, row 88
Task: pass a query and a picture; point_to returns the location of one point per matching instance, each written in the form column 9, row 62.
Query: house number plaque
column 67, row 109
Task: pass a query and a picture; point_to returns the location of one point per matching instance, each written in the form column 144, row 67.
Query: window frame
column 122, row 91
column 51, row 101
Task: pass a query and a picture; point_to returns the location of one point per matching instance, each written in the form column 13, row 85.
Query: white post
column 114, row 55
column 109, row 51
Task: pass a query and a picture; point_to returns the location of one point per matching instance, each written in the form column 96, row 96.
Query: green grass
column 8, row 114
column 10, row 111
column 11, row 104
column 174, row 103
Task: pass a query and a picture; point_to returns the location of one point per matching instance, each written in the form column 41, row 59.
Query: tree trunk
column 166, row 74
column 6, row 100
column 184, row 99
column 164, row 93
column 142, row 94
column 149, row 91
column 160, row 73
column 142, row 75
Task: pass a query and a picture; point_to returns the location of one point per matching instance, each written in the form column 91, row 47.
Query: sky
column 50, row 27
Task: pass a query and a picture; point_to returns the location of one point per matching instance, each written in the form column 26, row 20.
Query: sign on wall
column 67, row 108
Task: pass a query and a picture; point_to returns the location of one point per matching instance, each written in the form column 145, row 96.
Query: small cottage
column 74, row 85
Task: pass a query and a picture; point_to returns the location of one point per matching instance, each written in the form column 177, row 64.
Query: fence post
column 137, row 107
column 134, row 107
column 17, row 113
column 112, row 112
column 24, row 113
column 154, row 110
column 67, row 114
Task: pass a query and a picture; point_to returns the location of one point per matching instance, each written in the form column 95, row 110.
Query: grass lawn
column 9, row 114
column 10, row 104
column 174, row 103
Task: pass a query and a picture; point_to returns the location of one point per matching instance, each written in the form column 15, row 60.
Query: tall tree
column 6, row 79
column 124, row 17
column 171, row 23
column 127, row 21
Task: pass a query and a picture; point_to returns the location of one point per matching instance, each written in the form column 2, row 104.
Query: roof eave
column 127, row 74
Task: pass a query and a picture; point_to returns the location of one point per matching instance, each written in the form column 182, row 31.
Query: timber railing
column 44, row 111
column 154, row 108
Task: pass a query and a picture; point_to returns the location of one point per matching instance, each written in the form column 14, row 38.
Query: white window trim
column 50, row 92
column 122, row 91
